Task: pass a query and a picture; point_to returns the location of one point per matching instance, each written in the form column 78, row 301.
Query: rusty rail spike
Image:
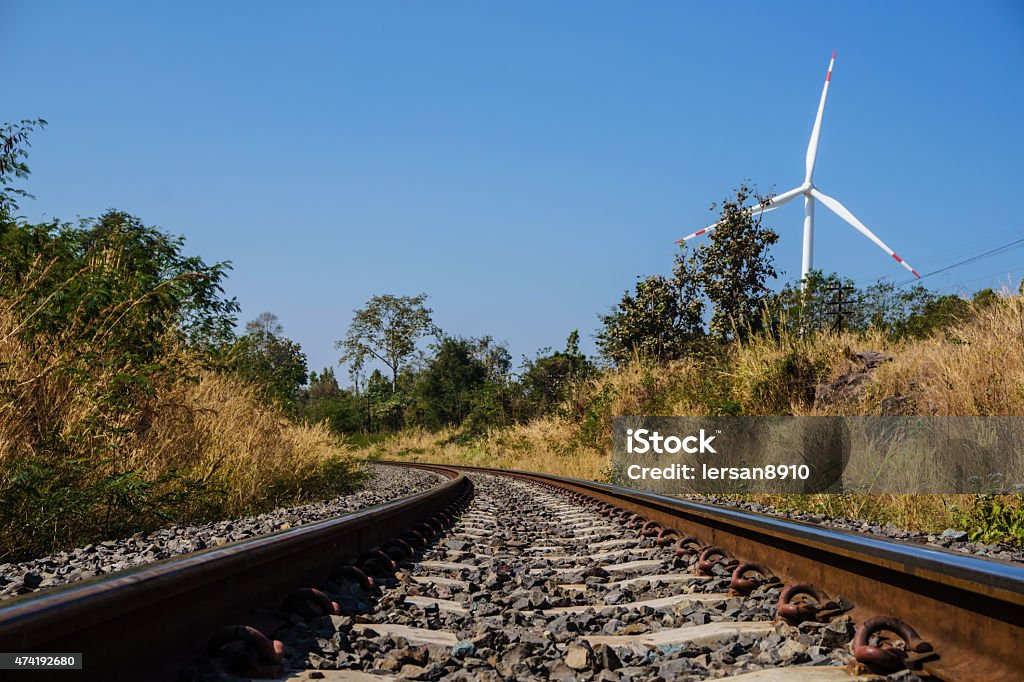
column 743, row 584
column 396, row 552
column 377, row 562
column 247, row 651
column 356, row 574
column 414, row 538
column 426, row 531
column 635, row 521
column 665, row 536
column 711, row 556
column 651, row 529
column 883, row 658
column 399, row 546
column 309, row 603
column 688, row 545
column 804, row 610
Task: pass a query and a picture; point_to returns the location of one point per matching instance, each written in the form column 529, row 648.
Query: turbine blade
column 845, row 214
column 812, row 146
column 697, row 234
column 760, row 209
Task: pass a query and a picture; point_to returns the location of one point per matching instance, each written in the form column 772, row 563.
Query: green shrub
column 993, row 519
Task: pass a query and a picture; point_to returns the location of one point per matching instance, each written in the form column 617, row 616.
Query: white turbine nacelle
column 810, row 193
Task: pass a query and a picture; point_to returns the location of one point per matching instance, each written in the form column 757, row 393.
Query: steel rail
column 970, row 609
column 129, row 624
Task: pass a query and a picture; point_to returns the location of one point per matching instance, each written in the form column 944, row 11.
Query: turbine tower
column 810, row 193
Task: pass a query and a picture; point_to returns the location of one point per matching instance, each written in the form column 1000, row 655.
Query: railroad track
column 508, row 575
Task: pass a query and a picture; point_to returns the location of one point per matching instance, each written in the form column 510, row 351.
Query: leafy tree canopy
column 547, row 379
column 13, row 152
column 446, row 388
column 914, row 312
column 116, row 280
column 663, row 318
column 273, row 363
column 659, row 320
column 735, row 266
column 387, row 329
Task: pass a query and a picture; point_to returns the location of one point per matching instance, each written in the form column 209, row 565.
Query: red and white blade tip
column 691, row 236
column 833, row 54
column 906, row 265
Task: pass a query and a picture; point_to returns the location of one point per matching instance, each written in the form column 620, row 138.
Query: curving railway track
column 512, row 575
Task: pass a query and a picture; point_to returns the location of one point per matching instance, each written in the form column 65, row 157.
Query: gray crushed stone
column 500, row 579
column 384, row 483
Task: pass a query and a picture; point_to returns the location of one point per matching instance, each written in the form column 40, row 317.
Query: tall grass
column 975, row 367
column 97, row 443
column 219, row 431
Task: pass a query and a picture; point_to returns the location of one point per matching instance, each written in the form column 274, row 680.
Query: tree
column 267, row 324
column 735, row 266
column 546, row 380
column 13, row 151
column 274, row 364
column 809, row 305
column 660, row 320
column 916, row 312
column 118, row 281
column 387, row 329
column 985, row 297
column 385, row 405
column 495, row 357
column 325, row 401
column 936, row 313
column 105, row 304
column 323, row 386
column 446, row 389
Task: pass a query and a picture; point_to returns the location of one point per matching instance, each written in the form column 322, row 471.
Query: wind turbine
column 810, row 193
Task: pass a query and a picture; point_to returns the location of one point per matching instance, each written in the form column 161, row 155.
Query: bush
column 113, row 418
column 993, row 518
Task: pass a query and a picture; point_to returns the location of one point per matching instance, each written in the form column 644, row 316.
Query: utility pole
column 836, row 304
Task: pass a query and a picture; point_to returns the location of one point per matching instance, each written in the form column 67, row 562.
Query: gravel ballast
column 384, row 483
column 530, row 585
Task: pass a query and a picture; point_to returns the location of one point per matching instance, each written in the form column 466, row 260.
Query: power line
column 988, row 275
column 988, row 239
column 999, row 250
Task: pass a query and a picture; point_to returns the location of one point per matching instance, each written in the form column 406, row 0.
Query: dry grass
column 218, row 430
column 977, row 368
column 974, row 368
column 191, row 445
column 541, row 445
column 776, row 375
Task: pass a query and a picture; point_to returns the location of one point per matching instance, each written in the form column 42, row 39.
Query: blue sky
column 520, row 162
